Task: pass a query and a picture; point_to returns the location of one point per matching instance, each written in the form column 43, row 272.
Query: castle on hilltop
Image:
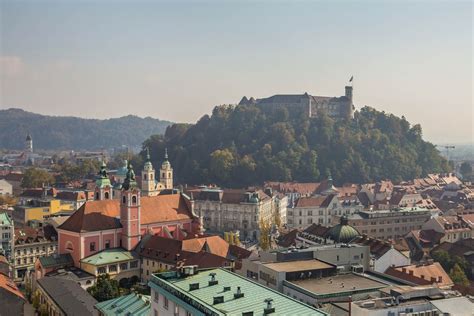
column 336, row 107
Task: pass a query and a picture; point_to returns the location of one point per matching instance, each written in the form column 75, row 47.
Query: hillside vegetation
column 61, row 132
column 246, row 145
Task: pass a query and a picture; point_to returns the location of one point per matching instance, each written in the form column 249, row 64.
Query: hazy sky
column 177, row 60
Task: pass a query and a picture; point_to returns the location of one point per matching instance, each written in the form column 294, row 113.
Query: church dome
column 342, row 232
column 122, row 172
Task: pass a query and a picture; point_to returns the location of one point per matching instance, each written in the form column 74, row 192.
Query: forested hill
column 247, row 145
column 61, row 132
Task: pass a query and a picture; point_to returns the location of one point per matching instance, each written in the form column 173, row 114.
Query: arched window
column 97, row 195
column 134, row 199
column 69, row 246
column 144, row 176
column 106, row 195
column 163, row 175
column 124, row 200
column 169, row 174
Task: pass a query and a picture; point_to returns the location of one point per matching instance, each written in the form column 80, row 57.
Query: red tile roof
column 319, row 201
column 422, row 274
column 8, row 285
column 104, row 214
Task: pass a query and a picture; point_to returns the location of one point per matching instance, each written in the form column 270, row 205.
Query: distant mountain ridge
column 68, row 132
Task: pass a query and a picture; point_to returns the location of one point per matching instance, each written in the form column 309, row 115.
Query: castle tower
column 29, row 144
column 103, row 188
column 148, row 177
column 350, row 105
column 166, row 173
column 130, row 211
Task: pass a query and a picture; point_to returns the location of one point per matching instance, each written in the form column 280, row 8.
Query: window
column 155, row 312
column 92, row 246
column 133, row 264
column 156, row 296
column 144, row 176
column 188, row 313
column 107, row 244
column 97, row 195
column 176, row 310
column 123, row 266
column 337, row 258
column 165, row 303
column 106, row 195
column 134, row 200
column 113, row 268
column 101, row 270
column 124, row 200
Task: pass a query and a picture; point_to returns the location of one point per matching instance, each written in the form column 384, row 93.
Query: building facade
column 389, row 224
column 225, row 210
column 336, row 107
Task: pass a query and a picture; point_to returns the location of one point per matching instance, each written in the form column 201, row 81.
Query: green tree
column 443, row 258
column 264, row 240
column 35, row 178
column 458, row 276
column 222, row 162
column 105, row 288
column 466, row 170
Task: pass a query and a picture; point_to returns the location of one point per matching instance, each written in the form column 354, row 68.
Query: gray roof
column 70, row 297
column 458, row 306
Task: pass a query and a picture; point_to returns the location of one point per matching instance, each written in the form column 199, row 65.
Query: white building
column 320, row 209
column 224, row 210
column 6, row 234
column 5, row 187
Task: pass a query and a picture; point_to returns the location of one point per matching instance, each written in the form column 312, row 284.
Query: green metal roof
column 56, row 260
column 132, row 304
column 253, row 300
column 5, row 219
column 109, row 256
column 342, row 232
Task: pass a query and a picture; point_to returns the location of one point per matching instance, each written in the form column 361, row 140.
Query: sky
column 177, row 60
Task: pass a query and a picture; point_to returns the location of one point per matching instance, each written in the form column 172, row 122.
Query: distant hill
column 247, row 145
column 66, row 132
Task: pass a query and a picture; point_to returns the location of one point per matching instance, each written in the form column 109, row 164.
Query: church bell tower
column 166, row 173
column 148, row 177
column 130, row 209
column 103, row 188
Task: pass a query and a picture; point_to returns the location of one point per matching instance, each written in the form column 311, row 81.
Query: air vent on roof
column 247, row 314
column 213, row 280
column 193, row 286
column 269, row 309
column 226, row 288
column 239, row 293
column 217, row 300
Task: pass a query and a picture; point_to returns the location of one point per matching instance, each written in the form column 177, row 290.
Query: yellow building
column 41, row 210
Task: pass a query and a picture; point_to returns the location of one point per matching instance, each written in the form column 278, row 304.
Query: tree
column 105, row 288
column 36, row 300
column 264, row 235
column 466, row 170
column 36, row 178
column 222, row 162
column 443, row 258
column 458, row 276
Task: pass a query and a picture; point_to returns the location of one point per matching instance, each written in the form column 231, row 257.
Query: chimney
column 404, row 270
column 410, row 272
column 422, row 276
